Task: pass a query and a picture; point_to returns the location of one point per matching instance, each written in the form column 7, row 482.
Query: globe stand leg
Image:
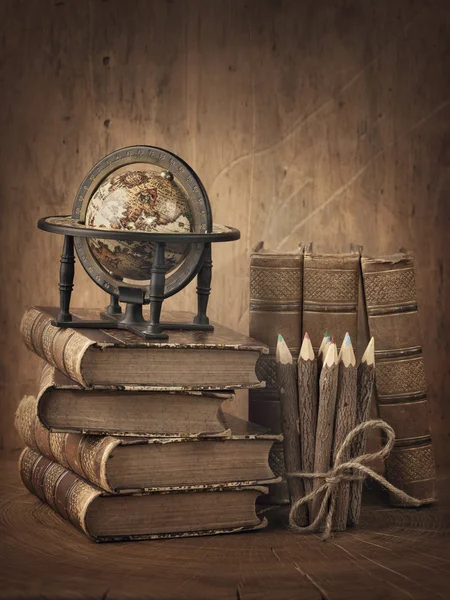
column 157, row 285
column 113, row 307
column 204, row 288
column 133, row 315
column 66, row 274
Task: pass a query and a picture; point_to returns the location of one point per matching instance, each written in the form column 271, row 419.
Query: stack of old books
column 127, row 438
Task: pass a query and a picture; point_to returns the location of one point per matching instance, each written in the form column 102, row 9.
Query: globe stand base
column 134, row 298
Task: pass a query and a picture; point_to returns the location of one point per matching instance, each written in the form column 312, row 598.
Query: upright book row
column 127, row 439
column 298, row 292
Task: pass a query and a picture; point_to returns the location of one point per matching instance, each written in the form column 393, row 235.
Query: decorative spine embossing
column 85, row 455
column 61, row 489
column 276, row 291
column 62, row 348
column 330, row 295
column 390, row 294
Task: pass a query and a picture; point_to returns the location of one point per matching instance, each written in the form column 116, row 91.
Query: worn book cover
column 124, row 464
column 391, row 301
column 118, row 357
column 65, row 406
column 157, row 514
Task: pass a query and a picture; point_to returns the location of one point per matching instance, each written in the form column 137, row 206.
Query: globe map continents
column 138, row 200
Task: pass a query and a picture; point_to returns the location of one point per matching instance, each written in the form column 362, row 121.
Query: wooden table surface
column 394, row 553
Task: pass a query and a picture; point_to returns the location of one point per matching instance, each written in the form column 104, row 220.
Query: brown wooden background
column 313, row 120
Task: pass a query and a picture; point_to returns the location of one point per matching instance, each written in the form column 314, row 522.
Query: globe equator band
column 66, row 225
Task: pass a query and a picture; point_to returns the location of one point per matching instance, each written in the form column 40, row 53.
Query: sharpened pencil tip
column 347, row 339
column 306, row 351
column 306, row 335
column 283, row 354
column 369, row 354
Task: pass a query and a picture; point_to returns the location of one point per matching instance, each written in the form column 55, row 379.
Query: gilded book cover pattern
column 391, row 303
column 330, row 296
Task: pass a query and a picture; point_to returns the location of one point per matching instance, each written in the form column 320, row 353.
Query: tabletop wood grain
column 393, row 554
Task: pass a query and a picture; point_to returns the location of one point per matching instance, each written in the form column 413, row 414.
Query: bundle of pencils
column 322, row 399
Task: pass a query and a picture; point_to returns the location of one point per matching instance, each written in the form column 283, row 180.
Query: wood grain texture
column 318, row 121
column 364, row 386
column 344, row 423
column 393, row 554
column 307, row 408
column 325, row 422
column 287, row 386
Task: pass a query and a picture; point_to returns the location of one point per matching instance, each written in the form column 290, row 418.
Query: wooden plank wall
column 313, row 120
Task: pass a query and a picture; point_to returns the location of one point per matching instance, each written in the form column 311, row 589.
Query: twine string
column 351, row 470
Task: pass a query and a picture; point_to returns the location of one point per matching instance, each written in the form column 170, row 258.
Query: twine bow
column 351, row 470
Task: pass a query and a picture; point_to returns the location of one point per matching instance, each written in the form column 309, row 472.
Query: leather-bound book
column 330, row 296
column 104, row 517
column 124, row 464
column 276, row 284
column 117, row 357
column 391, row 302
column 65, row 406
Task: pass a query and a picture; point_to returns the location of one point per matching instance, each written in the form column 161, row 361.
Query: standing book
column 276, row 288
column 391, row 302
column 330, row 295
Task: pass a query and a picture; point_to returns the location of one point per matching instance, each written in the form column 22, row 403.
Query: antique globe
column 138, row 200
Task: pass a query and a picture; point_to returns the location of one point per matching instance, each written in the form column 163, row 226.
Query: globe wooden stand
column 134, row 297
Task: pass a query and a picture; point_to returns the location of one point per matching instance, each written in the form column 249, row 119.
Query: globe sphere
column 138, row 200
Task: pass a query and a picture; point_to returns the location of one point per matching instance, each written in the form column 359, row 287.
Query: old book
column 114, row 356
column 65, row 406
column 157, row 514
column 118, row 464
column 391, row 302
column 330, row 295
column 276, row 284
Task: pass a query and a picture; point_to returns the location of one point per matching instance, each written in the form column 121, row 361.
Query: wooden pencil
column 365, row 381
column 344, row 422
column 323, row 348
column 307, row 407
column 287, row 387
column 325, row 419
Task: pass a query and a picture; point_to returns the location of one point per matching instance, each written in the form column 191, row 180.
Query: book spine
column 63, row 491
column 276, row 284
column 330, row 296
column 85, row 455
column 61, row 348
column 401, row 390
